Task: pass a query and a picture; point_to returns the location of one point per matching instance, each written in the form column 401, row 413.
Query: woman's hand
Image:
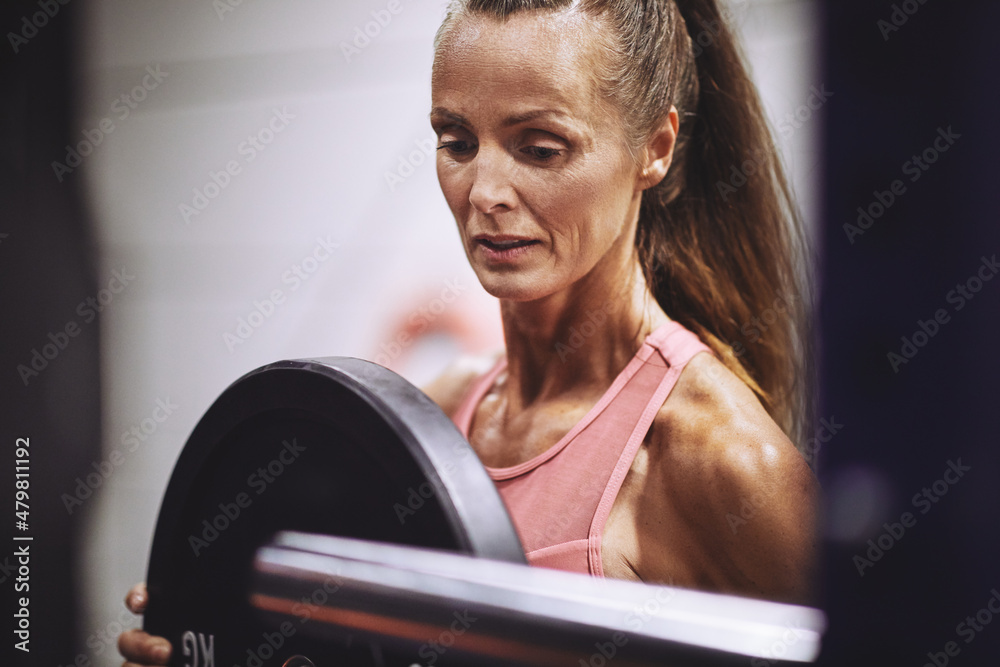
column 140, row 648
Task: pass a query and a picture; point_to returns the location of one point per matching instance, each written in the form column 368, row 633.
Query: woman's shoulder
column 711, row 416
column 451, row 386
column 750, row 491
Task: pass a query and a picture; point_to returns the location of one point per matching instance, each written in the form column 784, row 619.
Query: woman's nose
column 492, row 190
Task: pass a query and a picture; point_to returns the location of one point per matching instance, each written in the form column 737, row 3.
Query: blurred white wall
column 336, row 124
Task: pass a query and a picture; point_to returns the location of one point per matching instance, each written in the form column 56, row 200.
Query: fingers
column 137, row 646
column 136, row 599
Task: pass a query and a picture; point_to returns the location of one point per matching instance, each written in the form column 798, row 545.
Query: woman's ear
column 659, row 152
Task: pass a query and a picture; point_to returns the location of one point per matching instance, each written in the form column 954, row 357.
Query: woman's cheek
column 452, row 189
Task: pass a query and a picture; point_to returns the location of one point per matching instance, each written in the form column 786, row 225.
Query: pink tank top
column 560, row 500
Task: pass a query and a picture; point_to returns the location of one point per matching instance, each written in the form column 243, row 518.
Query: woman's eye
column 456, row 147
column 542, row 153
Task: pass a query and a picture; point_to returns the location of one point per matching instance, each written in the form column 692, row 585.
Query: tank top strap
column 674, row 345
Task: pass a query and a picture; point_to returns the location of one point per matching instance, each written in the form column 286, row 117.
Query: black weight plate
column 334, row 446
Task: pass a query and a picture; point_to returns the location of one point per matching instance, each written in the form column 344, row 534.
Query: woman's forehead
column 538, row 58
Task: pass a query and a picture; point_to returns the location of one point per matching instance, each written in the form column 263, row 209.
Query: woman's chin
column 514, row 287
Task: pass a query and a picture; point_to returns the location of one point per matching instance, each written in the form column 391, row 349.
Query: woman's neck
column 579, row 339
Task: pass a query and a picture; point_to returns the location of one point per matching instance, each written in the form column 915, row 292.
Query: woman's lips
column 504, row 248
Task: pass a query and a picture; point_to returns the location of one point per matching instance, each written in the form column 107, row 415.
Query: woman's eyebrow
column 528, row 116
column 441, row 114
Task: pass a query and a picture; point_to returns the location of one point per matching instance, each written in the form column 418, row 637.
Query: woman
column 585, row 150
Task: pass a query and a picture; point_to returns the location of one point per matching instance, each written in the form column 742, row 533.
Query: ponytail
column 720, row 238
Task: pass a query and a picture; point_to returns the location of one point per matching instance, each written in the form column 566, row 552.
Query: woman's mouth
column 504, row 248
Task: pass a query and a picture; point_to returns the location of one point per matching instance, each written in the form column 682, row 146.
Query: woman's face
column 531, row 158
